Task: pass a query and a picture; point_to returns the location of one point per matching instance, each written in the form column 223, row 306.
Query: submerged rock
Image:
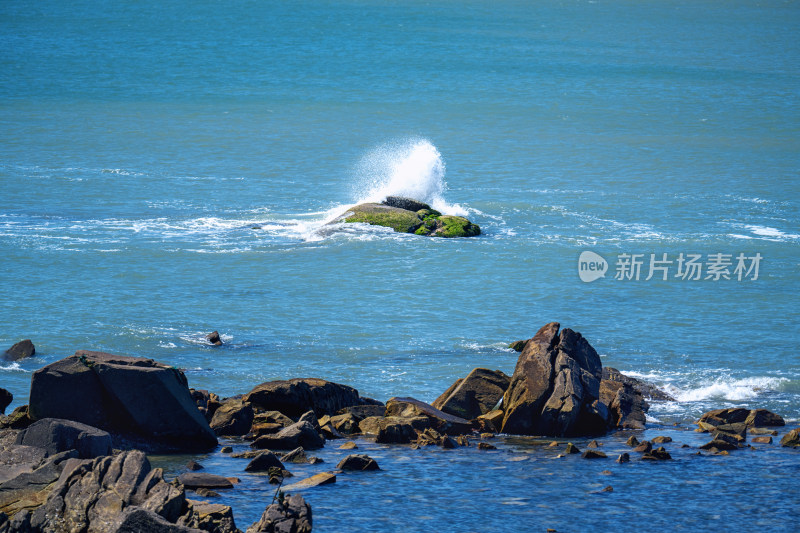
column 214, row 338
column 402, row 215
column 555, row 388
column 132, row 397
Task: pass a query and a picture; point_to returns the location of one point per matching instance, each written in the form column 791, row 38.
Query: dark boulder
column 295, row 397
column 135, row 519
column 363, row 411
column 732, row 415
column 263, row 462
column 300, row 434
column 358, row 462
column 234, row 417
column 763, row 418
column 346, row 423
column 658, row 454
column 555, row 388
column 593, row 454
column 133, row 397
column 401, row 202
column 290, row 515
column 19, row 351
column 518, row 346
column 298, row 456
column 475, row 395
column 646, row 389
column 5, row 400
column 440, row 421
column 56, row 435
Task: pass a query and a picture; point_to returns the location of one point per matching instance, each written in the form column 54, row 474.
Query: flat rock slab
column 202, row 480
column 56, row 435
column 323, row 478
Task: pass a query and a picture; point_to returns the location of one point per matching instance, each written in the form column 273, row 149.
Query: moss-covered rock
column 398, row 219
column 426, row 222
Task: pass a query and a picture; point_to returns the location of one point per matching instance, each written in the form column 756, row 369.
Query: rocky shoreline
column 75, row 458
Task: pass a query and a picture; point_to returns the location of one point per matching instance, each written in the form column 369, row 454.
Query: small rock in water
column 349, row 446
column 226, row 449
column 593, row 454
column 19, row 351
column 358, row 462
column 571, row 448
column 194, row 465
column 196, row 480
column 644, row 447
column 593, row 444
column 214, row 339
column 206, row 493
column 624, row 458
column 766, row 439
column 486, row 446
column 607, row 473
column 791, row 439
column 661, row 440
column 553, row 444
column 518, row 346
column 659, row 454
column 632, row 441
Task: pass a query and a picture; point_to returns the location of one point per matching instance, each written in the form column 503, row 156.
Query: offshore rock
column 21, row 350
column 646, row 389
column 475, row 395
column 423, row 221
column 358, row 462
column 131, row 397
column 626, row 404
column 555, row 388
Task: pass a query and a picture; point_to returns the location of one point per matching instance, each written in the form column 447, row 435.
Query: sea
column 173, row 168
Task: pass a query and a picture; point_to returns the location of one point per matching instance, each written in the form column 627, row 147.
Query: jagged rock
column 312, row 419
column 442, row 422
column 475, row 395
column 5, row 400
column 19, row 351
column 197, row 480
column 737, row 431
column 644, row 447
column 491, row 422
column 298, row 455
column 214, row 338
column 791, row 439
column 593, row 444
column 27, row 476
column 137, row 520
column 17, row 419
column 323, row 478
column 762, row 431
column 295, row 397
column 625, row 404
column 207, row 402
column 722, row 441
column 299, row 434
column 93, row 494
column 211, row 517
column 357, row 462
column 555, row 387
column 56, row 435
column 263, row 462
column 234, row 417
column 129, row 396
column 632, row 441
column 291, row 515
column 571, row 448
column 624, row 458
column 648, row 390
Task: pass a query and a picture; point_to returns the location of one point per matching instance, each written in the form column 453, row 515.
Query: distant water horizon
column 170, row 170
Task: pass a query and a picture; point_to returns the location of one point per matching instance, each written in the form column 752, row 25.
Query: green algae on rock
column 423, row 221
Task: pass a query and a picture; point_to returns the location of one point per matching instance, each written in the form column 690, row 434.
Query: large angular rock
column 56, row 435
column 626, row 405
column 19, row 351
column 555, row 387
column 233, row 417
column 133, row 397
column 439, row 420
column 295, row 397
column 475, row 395
column 300, row 434
column 292, row 515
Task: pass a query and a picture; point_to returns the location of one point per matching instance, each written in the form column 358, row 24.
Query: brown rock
column 263, row 462
column 593, row 454
column 791, row 439
column 475, row 395
column 323, row 478
column 518, row 346
column 626, row 405
column 486, row 446
column 291, row 515
column 19, row 351
column 441, row 421
column 196, row 480
column 632, row 441
column 349, row 446
column 214, row 339
column 296, row 396
column 555, row 387
column 358, row 462
column 661, row 440
column 300, row 434
column 571, row 448
column 762, row 440
column 644, row 447
column 624, row 458
column 492, row 421
column 764, row 418
column 233, row 418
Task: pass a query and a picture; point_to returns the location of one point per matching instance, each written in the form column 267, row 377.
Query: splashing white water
column 413, row 168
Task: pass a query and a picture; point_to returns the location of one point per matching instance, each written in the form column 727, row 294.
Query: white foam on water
column 12, row 367
column 413, row 168
column 725, row 388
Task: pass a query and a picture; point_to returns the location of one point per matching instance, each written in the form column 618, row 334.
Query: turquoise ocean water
column 168, row 169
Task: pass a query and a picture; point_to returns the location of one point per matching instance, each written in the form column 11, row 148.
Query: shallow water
column 170, row 170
